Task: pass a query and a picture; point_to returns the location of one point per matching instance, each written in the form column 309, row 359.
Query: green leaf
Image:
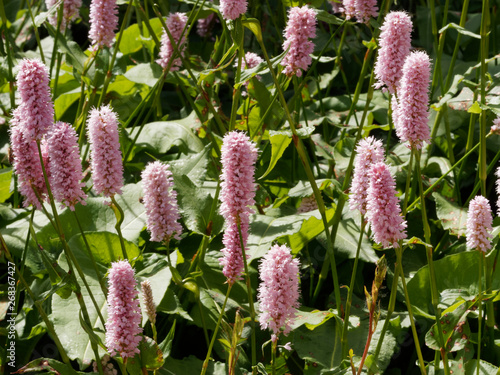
column 254, row 26
column 147, row 74
column 485, row 368
column 191, row 366
column 475, row 108
column 166, row 345
column 452, row 216
column 151, row 357
column 170, row 304
column 310, row 228
column 279, row 143
column 5, row 179
column 460, row 29
column 324, row 16
column 49, row 364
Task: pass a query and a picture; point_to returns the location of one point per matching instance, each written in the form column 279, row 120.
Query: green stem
column 480, row 312
column 485, row 29
column 408, row 179
column 119, row 220
column 273, row 357
column 214, row 336
column 37, row 35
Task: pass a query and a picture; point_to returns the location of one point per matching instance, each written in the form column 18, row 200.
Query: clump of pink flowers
column 382, row 207
column 175, row 24
column 232, row 9
column 279, row 290
column 394, row 47
column 300, row 28
column 123, row 327
column 65, row 165
column 160, row 201
column 238, row 159
column 479, row 221
column 103, row 22
column 369, row 151
column 105, row 154
column 411, row 109
column 363, row 10
column 71, row 10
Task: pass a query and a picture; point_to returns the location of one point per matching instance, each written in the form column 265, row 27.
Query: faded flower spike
column 394, row 47
column 300, row 28
column 369, row 151
column 123, row 330
column 71, row 10
column 411, row 109
column 232, row 9
column 382, row 208
column 279, row 290
column 175, row 24
column 147, row 295
column 160, row 201
column 36, row 112
column 105, row 154
column 65, row 166
column 479, row 221
column 103, row 22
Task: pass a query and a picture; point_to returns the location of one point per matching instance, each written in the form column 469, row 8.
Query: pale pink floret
column 36, row 111
column 123, row 327
column 232, row 260
column 479, row 221
column 411, row 109
column 365, row 9
column 368, row 152
column 204, row 25
column 175, row 24
column 160, row 201
column 394, row 47
column 300, row 28
column 105, row 154
column 27, row 166
column 279, row 290
column 252, row 60
column 495, row 128
column 71, row 11
column 65, row 166
column 349, row 9
column 232, row 9
column 103, row 22
column 382, row 208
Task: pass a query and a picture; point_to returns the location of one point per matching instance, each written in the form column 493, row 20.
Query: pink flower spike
column 232, row 260
column 394, row 47
column 279, row 290
column 103, row 22
column 123, row 330
column 71, row 11
column 36, row 111
column 105, row 154
column 232, row 9
column 65, row 166
column 175, row 24
column 252, row 60
column 411, row 109
column 365, row 9
column 495, row 128
column 479, row 221
column 382, row 208
column 300, row 28
column 348, row 8
column 160, row 201
column 369, row 151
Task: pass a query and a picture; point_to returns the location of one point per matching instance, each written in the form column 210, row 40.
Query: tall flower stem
column 408, row 179
column 480, row 311
column 485, row 30
column 119, row 220
column 214, row 336
column 35, row 29
column 273, row 357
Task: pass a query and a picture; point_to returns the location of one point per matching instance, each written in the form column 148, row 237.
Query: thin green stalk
column 480, row 312
column 119, row 220
column 214, row 336
column 10, row 65
column 273, row 357
column 485, row 29
column 345, row 348
column 477, row 186
column 60, row 13
column 408, row 179
column 35, row 29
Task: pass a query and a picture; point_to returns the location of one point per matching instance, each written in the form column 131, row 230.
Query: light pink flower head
column 160, row 201
column 26, row 163
column 336, row 6
column 123, row 327
column 65, row 166
column 394, row 47
column 204, row 25
column 365, row 9
column 103, row 22
column 411, row 109
column 71, row 10
column 252, row 60
column 349, row 9
column 279, row 290
column 232, row 9
column 36, row 111
column 479, row 221
column 300, row 28
column 382, row 208
column 368, row 152
column 175, row 24
column 232, row 259
column 495, row 128
column 105, row 154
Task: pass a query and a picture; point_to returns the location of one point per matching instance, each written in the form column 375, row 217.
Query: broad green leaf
column 193, row 166
column 49, row 364
column 147, row 74
column 279, row 143
column 460, row 29
column 254, row 25
column 5, row 179
column 476, row 108
column 191, row 366
column 303, row 188
column 133, row 41
column 310, row 229
column 485, row 368
column 170, row 304
column 451, row 215
column 151, row 357
column 311, row 319
column 324, row 16
column 65, row 101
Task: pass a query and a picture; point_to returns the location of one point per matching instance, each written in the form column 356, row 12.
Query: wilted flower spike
column 394, row 47
column 232, row 9
column 160, row 201
column 382, row 208
column 175, row 24
column 65, row 165
column 147, row 295
column 479, row 221
column 368, row 152
column 105, row 154
column 123, row 330
column 103, row 22
column 279, row 290
column 411, row 109
column 36, row 111
column 300, row 28
column 71, row 10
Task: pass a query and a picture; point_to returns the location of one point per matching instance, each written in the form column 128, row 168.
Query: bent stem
column 119, row 220
column 205, row 363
